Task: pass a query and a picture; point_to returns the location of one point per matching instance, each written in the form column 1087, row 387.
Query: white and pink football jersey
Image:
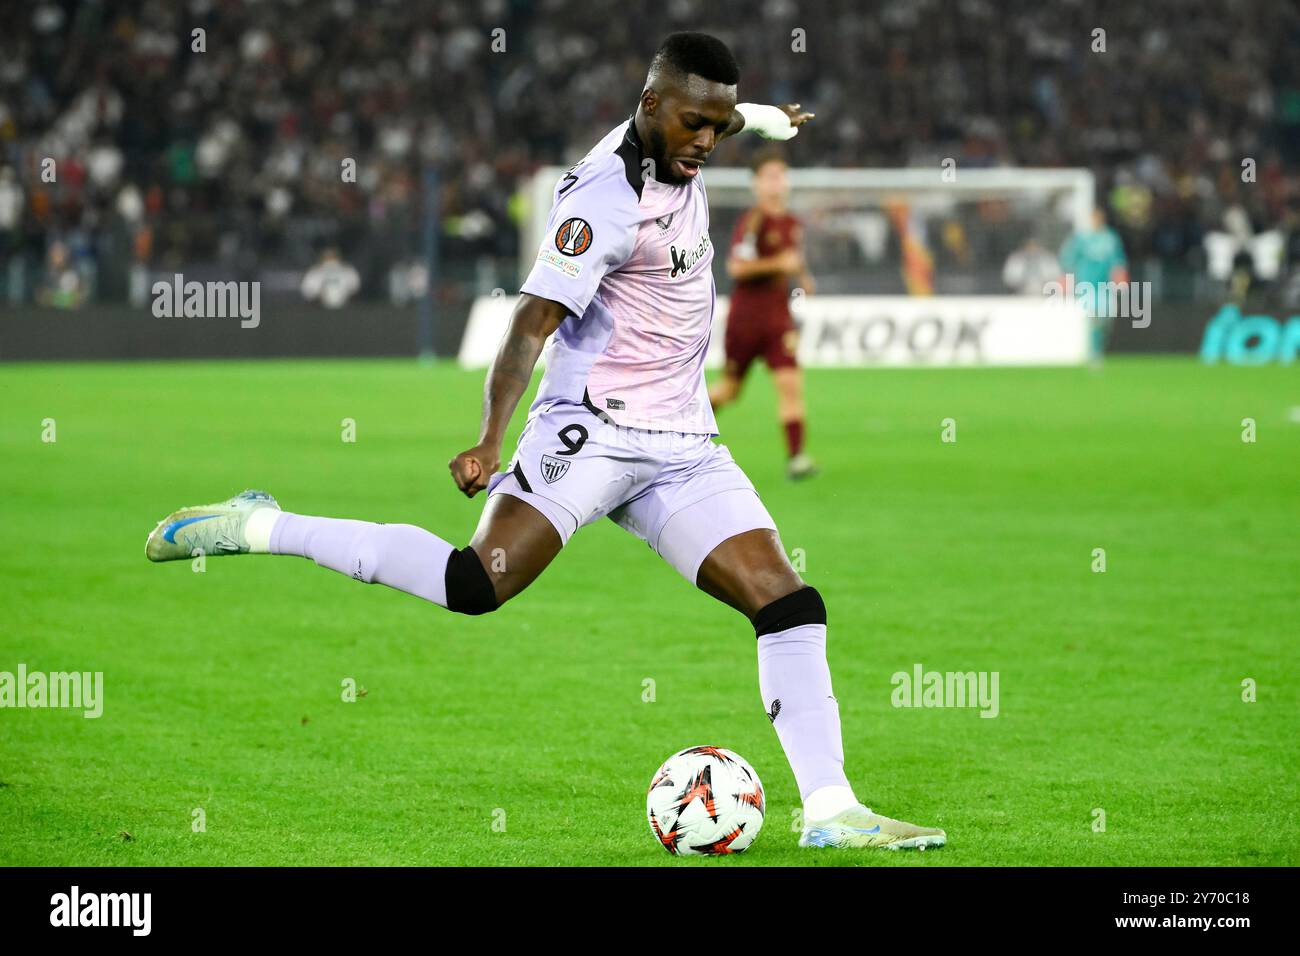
column 631, row 258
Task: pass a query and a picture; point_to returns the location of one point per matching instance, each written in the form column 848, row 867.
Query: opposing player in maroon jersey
column 766, row 254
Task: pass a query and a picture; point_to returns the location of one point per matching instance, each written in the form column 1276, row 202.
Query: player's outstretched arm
column 770, row 122
column 532, row 322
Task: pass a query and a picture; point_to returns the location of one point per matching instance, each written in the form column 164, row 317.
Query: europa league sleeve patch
column 573, row 238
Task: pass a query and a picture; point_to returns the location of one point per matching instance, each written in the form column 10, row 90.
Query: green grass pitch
column 1119, row 691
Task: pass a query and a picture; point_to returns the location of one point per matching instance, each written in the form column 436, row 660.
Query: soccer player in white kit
column 621, row 296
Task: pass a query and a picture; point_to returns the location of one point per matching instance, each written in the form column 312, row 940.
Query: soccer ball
column 705, row 801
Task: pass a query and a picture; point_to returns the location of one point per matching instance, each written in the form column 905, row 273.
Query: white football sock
column 795, row 682
column 824, row 802
column 258, row 529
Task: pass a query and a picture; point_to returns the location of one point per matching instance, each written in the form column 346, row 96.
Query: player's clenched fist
column 472, row 468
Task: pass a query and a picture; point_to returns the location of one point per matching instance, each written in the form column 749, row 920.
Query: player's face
column 685, row 127
column 771, row 184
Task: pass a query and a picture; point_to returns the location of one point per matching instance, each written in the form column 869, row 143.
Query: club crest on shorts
column 553, row 469
column 573, row 238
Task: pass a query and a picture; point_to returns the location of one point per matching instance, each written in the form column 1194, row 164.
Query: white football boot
column 860, row 826
column 212, row 529
column 801, row 466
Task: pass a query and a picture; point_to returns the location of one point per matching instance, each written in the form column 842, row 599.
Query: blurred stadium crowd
column 229, row 159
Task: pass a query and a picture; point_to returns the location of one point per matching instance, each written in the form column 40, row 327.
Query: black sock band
column 804, row 606
column 469, row 589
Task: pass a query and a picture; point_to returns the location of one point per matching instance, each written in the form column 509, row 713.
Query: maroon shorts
column 744, row 342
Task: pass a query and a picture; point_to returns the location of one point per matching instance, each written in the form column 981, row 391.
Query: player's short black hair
column 682, row 54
